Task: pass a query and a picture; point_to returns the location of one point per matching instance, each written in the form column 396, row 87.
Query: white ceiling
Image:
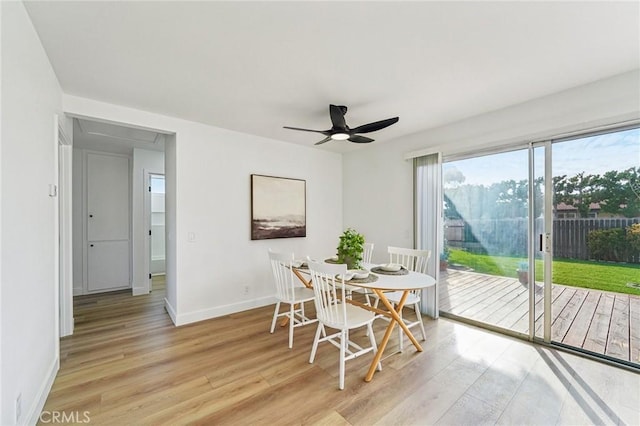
column 254, row 67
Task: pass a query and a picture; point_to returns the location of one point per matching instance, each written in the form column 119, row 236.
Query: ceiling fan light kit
column 340, row 131
column 340, row 136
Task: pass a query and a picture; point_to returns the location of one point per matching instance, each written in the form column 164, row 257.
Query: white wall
column 212, row 201
column 170, row 206
column 378, row 181
column 144, row 161
column 31, row 96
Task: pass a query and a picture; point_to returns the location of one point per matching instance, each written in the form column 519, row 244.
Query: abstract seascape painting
column 278, row 207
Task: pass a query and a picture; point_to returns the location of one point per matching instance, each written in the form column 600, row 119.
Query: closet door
column 108, row 211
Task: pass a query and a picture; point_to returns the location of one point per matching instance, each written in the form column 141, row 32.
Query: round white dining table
column 386, row 282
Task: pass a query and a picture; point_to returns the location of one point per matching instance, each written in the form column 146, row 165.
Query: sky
column 592, row 155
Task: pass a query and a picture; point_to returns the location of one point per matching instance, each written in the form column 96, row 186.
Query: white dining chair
column 367, row 253
column 416, row 261
column 334, row 312
column 289, row 291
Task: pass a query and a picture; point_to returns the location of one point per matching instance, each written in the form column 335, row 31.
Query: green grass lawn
column 577, row 273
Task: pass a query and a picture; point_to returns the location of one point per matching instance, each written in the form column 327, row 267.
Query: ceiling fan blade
column 360, row 139
column 372, row 127
column 337, row 113
column 324, row 132
column 327, row 139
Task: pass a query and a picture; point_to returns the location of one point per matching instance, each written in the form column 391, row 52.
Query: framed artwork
column 278, row 207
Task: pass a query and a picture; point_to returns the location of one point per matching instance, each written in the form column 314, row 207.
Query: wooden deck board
column 509, row 302
column 618, row 340
column 634, row 333
column 468, row 291
column 523, row 322
column 567, row 315
column 477, row 296
column 596, row 340
column 601, row 322
column 577, row 333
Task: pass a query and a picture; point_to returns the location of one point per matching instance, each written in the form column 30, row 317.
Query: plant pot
column 444, row 265
column 523, row 276
column 350, row 261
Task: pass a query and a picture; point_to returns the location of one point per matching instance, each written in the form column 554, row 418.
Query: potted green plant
column 523, row 272
column 444, row 256
column 350, row 248
column 444, row 260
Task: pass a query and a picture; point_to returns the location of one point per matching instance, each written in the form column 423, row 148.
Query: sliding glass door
column 544, row 242
column 484, row 264
column 595, row 215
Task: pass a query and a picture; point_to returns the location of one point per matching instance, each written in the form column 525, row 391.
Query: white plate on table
column 359, row 274
column 391, row 267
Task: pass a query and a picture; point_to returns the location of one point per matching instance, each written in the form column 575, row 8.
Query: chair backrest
column 413, row 260
column 367, row 252
column 282, row 274
column 329, row 291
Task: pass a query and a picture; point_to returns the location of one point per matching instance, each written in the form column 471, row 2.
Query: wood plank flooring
column 601, row 322
column 126, row 364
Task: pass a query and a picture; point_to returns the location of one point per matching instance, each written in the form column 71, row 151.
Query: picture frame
column 278, row 207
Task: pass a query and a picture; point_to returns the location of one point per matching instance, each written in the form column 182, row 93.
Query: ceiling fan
column 340, row 131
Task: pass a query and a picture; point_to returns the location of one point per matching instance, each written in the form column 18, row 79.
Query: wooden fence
column 508, row 237
column 570, row 235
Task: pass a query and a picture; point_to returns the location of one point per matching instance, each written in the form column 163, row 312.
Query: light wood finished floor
column 601, row 322
column 127, row 364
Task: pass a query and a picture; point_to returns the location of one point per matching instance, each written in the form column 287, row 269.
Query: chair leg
column 275, row 317
column 314, row 348
column 291, row 321
column 344, row 339
column 417, row 308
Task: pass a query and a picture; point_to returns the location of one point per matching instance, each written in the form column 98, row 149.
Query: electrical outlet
column 246, row 290
column 18, row 407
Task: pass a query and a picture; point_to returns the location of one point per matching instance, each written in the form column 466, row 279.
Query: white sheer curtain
column 428, row 221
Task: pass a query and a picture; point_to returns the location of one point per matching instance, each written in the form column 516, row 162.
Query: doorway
column 110, row 161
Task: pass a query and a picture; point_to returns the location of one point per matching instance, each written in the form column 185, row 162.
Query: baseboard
column 171, row 311
column 139, row 290
column 218, row 311
column 33, row 415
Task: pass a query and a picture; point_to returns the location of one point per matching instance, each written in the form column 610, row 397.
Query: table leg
column 395, row 315
column 302, row 279
column 395, row 318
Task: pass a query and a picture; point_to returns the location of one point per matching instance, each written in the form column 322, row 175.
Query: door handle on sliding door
column 544, row 242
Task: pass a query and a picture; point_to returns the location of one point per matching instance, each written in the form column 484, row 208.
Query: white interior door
column 108, row 252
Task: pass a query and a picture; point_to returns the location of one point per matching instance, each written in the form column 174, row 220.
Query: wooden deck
column 601, row 322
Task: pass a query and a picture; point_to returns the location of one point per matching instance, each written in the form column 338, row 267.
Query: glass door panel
column 485, row 263
column 596, row 244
